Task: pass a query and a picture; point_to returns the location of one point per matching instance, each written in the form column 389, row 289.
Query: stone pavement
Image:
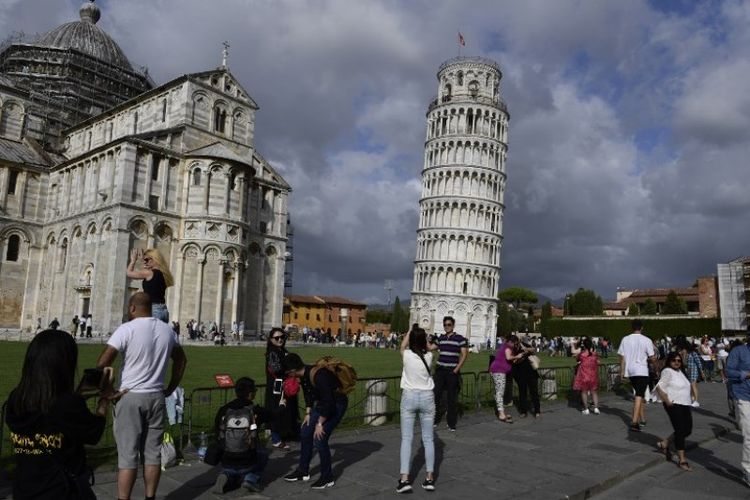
column 561, row 455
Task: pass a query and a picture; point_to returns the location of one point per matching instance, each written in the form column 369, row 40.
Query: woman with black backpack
column 417, row 398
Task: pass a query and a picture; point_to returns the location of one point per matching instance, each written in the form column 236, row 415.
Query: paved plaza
column 562, row 455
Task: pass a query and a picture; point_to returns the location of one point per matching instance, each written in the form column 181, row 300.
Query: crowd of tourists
column 50, row 420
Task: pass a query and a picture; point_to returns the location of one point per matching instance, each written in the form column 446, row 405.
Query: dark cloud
column 594, row 198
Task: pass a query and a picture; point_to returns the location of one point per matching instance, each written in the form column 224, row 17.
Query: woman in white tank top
column 417, row 399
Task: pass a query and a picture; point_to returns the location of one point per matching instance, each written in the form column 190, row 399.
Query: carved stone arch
column 271, row 251
column 254, row 249
column 139, row 228
column 230, row 255
column 216, row 167
column 50, row 240
column 163, row 231
column 87, row 274
column 212, row 253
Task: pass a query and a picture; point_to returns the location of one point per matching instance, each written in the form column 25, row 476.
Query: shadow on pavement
column 418, row 462
column 706, row 459
column 196, row 486
column 345, row 455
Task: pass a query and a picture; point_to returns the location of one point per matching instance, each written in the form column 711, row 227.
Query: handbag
column 290, row 387
column 535, row 361
column 168, row 452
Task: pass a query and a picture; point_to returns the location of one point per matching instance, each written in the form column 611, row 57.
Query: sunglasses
column 147, row 259
column 278, row 338
column 447, row 324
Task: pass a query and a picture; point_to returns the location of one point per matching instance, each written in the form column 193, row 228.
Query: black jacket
column 239, row 460
column 47, row 446
column 321, row 393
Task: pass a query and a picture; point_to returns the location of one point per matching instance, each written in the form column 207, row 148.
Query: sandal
column 685, row 466
column 508, row 419
column 665, row 450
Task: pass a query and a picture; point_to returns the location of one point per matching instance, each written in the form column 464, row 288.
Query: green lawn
column 204, row 362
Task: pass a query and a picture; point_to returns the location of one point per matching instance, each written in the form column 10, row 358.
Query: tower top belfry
column 457, row 265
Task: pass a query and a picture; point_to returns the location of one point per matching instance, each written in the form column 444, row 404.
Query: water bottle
column 202, row 447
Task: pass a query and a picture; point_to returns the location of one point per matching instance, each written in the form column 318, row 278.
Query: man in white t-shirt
column 635, row 352
column 146, row 345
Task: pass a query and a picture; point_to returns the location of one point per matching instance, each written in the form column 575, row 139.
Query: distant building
column 324, row 312
column 734, row 285
column 702, row 299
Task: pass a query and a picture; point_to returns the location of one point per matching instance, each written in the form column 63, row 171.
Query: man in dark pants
column 324, row 408
column 454, row 349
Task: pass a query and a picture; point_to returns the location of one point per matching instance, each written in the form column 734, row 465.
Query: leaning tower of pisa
column 457, row 266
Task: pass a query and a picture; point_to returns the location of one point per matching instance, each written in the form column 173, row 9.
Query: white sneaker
column 596, row 411
column 585, row 412
column 696, row 404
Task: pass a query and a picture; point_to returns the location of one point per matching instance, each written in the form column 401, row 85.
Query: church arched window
column 14, row 244
column 220, row 119
column 197, row 177
column 460, row 78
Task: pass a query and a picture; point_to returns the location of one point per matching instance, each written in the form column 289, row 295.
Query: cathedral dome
column 85, row 36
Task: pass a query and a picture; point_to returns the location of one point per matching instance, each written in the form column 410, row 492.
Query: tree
column 516, row 295
column 585, row 303
column 673, row 304
column 399, row 318
column 378, row 316
column 504, row 325
column 649, row 308
column 633, row 309
column 546, row 316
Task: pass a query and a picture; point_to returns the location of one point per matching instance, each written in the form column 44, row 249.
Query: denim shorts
column 160, row 311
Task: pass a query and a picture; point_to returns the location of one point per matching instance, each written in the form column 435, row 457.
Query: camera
column 94, row 380
column 92, row 377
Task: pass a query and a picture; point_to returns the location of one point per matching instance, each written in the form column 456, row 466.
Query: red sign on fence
column 224, row 380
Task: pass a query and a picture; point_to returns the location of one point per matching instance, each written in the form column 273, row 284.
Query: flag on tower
column 461, row 40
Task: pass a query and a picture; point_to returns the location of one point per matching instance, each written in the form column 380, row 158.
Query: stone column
column 165, row 166
column 236, row 291
column 241, row 209
column 21, row 191
column 227, row 193
column 177, row 295
column 96, row 167
column 261, row 292
column 206, row 189
column 220, row 295
column 149, row 172
column 4, row 173
column 199, row 287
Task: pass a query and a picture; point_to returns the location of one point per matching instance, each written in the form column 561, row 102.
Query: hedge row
column 615, row 329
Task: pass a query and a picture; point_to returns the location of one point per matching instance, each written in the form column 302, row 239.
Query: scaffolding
column 734, row 279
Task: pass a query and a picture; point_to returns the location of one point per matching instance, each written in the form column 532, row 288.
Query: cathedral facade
column 457, row 265
column 95, row 160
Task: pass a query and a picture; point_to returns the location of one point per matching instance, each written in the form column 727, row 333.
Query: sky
column 628, row 139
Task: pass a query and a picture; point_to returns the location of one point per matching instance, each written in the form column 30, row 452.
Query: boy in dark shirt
column 325, row 407
column 243, row 459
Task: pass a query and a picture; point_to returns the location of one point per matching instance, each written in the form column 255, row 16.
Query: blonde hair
column 155, row 255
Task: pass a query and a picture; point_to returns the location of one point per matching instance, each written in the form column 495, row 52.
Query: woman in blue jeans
column 156, row 278
column 417, row 398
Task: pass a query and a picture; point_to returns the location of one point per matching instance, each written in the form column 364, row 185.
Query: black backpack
column 239, row 438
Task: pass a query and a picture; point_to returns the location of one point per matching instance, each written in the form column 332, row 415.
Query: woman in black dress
column 282, row 406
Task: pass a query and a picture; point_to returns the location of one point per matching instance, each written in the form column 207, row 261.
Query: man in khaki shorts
column 146, row 345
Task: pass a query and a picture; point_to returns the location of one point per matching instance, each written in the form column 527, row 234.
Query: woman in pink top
column 587, row 378
column 499, row 369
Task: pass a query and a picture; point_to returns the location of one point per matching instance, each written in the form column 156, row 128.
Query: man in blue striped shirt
column 454, row 349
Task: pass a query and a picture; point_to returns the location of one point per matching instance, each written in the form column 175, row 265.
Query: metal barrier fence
column 477, row 392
